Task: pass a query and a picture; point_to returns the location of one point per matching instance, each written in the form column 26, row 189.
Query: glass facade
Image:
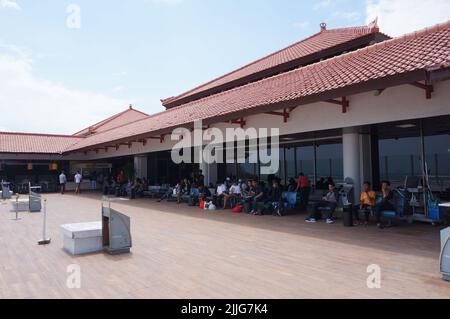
column 402, row 147
column 399, row 158
column 315, row 161
column 437, row 156
column 329, row 159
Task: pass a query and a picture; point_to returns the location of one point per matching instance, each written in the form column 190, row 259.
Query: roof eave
column 371, row 85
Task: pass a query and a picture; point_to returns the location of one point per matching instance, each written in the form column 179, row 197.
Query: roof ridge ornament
column 373, row 26
column 323, row 27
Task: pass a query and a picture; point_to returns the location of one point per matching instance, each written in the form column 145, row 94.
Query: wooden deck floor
column 183, row 252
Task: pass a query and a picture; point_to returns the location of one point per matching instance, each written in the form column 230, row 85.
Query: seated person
column 194, row 195
column 183, row 187
column 257, row 196
column 235, row 192
column 367, row 198
column 275, row 197
column 220, row 194
column 329, row 201
column 204, row 192
column 386, row 203
column 139, row 187
column 292, row 186
column 168, row 194
column 127, row 188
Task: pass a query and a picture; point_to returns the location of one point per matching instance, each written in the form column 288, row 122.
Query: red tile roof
column 303, row 52
column 128, row 116
column 35, row 143
column 391, row 60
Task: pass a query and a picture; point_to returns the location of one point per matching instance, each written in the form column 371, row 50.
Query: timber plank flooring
column 184, row 252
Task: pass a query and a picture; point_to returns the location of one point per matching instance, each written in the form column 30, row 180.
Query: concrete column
column 209, row 171
column 365, row 158
column 352, row 153
column 140, row 166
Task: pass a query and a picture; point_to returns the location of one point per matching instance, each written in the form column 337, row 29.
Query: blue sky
column 140, row 51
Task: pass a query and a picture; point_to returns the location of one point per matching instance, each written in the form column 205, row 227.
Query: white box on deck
column 82, row 238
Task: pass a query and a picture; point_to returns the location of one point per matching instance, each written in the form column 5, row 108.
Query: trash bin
column 348, row 216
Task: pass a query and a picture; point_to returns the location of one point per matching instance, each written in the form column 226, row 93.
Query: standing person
column 304, row 186
column 78, row 179
column 386, row 203
column 62, row 182
column 93, row 179
column 121, row 178
column 329, row 201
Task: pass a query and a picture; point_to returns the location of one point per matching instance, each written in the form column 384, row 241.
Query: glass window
column 400, row 158
column 291, row 171
column 437, row 150
column 305, row 161
column 330, row 161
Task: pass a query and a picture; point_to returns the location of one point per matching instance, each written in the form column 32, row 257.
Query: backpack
column 238, row 209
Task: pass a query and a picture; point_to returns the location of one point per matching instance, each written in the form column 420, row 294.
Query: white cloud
column 9, row 4
column 31, row 104
column 397, row 17
column 322, row 4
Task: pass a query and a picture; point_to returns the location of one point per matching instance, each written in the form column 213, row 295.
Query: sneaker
column 311, row 220
column 329, row 221
column 380, row 226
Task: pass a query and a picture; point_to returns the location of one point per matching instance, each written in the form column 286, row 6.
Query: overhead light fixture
column 288, row 138
column 406, row 125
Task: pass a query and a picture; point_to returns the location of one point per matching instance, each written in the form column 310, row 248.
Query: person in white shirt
column 220, row 194
column 78, row 179
column 235, row 192
column 62, row 182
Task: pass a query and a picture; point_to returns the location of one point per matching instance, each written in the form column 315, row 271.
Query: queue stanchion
column 17, row 207
column 44, row 240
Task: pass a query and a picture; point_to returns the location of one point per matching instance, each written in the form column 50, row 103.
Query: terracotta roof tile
column 316, row 43
column 128, row 116
column 35, row 143
column 418, row 51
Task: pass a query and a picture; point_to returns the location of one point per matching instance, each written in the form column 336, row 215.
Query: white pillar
column 209, row 171
column 140, row 166
column 351, row 149
column 365, row 163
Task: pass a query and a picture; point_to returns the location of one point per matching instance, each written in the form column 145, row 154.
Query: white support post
column 352, row 151
column 44, row 240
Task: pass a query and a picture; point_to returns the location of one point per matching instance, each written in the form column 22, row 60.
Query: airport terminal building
column 349, row 103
